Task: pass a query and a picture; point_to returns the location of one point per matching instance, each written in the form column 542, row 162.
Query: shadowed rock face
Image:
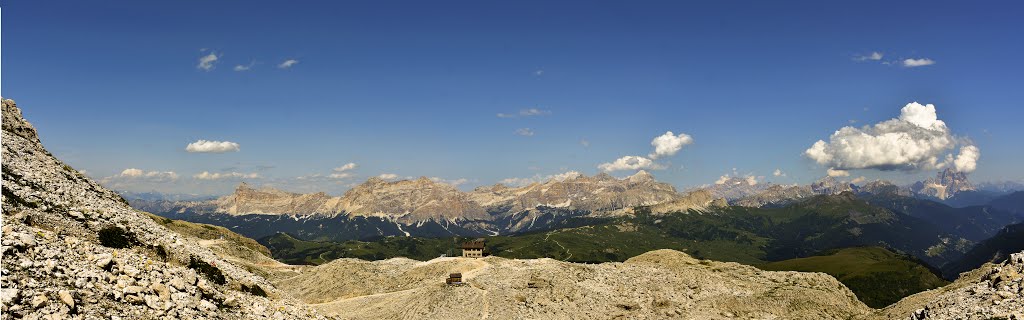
column 56, row 268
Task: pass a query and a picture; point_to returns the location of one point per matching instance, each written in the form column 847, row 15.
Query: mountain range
column 424, row 207
column 73, row 249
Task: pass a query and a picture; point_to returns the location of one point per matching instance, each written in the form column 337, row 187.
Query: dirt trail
column 468, row 277
column 559, row 245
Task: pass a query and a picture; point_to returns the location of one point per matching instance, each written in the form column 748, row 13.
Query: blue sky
column 415, row 88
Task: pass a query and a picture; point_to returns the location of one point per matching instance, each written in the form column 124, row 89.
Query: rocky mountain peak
column 604, row 176
column 640, row 176
column 831, row 185
column 243, row 187
column 14, row 123
column 944, row 185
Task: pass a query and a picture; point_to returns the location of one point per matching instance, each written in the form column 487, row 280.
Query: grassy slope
column 878, row 276
column 745, row 235
column 210, row 232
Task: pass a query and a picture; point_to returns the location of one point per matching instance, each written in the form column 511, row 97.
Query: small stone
column 231, row 302
column 204, row 286
column 132, row 272
column 103, row 260
column 77, row 215
column 66, row 297
column 162, row 291
column 133, row 299
column 206, row 305
column 177, row 283
column 152, row 301
column 7, row 295
column 39, row 301
column 27, row 240
column 133, row 289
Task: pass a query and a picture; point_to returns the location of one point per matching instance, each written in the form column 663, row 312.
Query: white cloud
column 534, row 112
column 288, row 63
column 967, row 160
column 205, row 175
column 343, row 172
column 874, row 56
column 531, row 112
column 453, row 182
column 911, row 63
column 206, row 146
column 538, row 72
column 779, row 173
column 526, row 132
column 340, row 175
column 736, row 179
column 346, row 167
column 240, row 67
column 519, row 182
column 916, row 140
column 669, row 144
column 134, row 174
column 858, row 180
column 388, row 176
column 630, row 163
column 832, row 172
column 207, row 62
column 585, row 143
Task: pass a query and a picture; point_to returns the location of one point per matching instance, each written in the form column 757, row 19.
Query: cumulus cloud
column 967, row 160
column 207, row 146
column 779, row 173
column 388, row 176
column 915, row 140
column 531, row 112
column 346, row 167
column 526, row 132
column 873, row 56
column 207, row 62
column 630, row 163
column 669, row 144
column 519, row 182
column 832, row 172
column 205, row 175
column 858, row 180
column 664, row 145
column 585, row 143
column 288, row 63
column 134, row 174
column 911, row 63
